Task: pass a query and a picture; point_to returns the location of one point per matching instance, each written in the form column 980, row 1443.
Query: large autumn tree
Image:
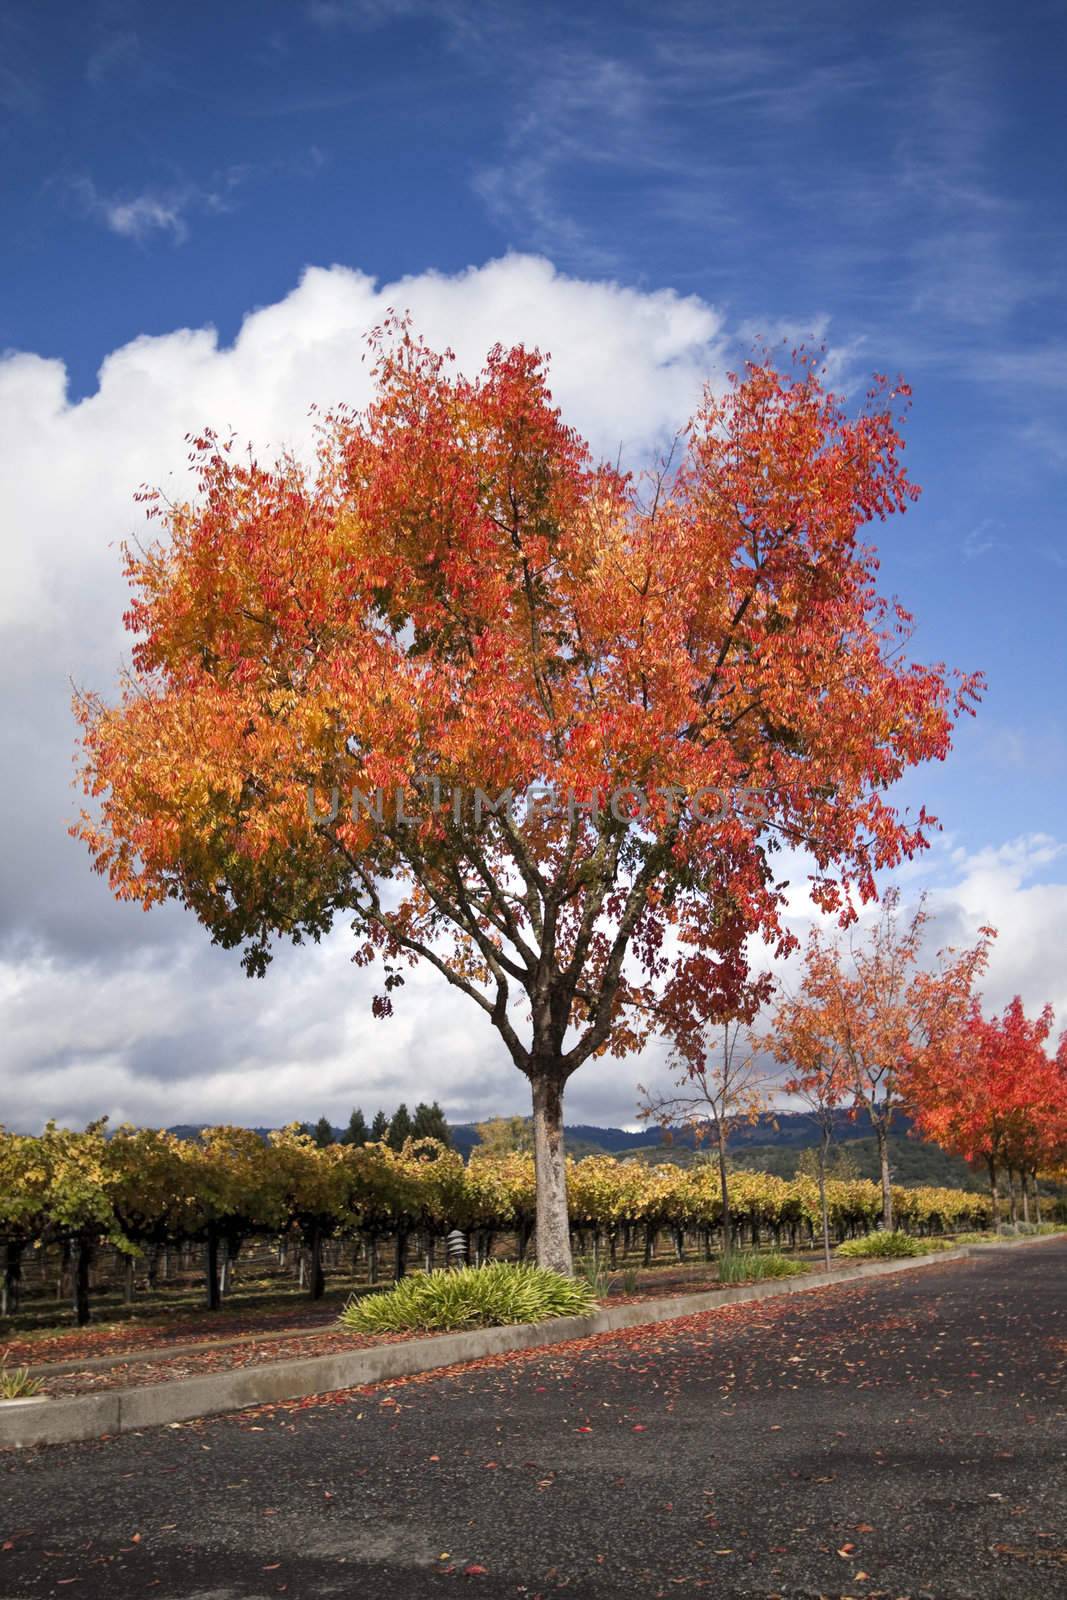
column 458, row 599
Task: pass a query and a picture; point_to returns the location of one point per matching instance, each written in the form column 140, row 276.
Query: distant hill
column 793, row 1130
column 771, row 1144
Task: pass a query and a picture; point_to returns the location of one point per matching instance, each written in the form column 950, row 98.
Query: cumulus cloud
column 107, row 1009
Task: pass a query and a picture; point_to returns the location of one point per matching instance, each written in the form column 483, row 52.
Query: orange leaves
column 458, row 595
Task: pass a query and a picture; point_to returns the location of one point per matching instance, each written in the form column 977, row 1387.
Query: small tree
column 429, row 1123
column 399, row 1128
column 991, row 1094
column 356, row 1133
column 727, row 1087
column 310, row 1182
column 78, row 1199
column 379, row 1127
column 501, row 1136
column 323, row 1133
column 148, row 1190
column 234, row 1192
column 877, row 1016
column 819, row 1080
column 23, row 1209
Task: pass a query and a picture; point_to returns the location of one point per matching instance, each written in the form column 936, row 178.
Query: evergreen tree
column 399, row 1128
column 356, row 1132
column 322, row 1133
column 379, row 1127
column 429, row 1123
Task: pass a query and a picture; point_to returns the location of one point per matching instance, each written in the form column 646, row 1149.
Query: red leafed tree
column 869, row 1018
column 458, row 599
column 996, row 1098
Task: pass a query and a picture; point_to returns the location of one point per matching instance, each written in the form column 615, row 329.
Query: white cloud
column 138, row 216
column 106, row 1008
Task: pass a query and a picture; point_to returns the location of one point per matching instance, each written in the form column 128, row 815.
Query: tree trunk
column 824, row 1209
column 400, row 1260
column 724, row 1192
column 553, row 1228
column 211, row 1269
column 65, row 1256
column 1013, row 1206
column 1037, row 1201
column 83, row 1257
column 12, row 1277
column 883, row 1162
column 994, row 1193
column 372, row 1261
column 1026, row 1197
column 128, row 1267
column 317, row 1285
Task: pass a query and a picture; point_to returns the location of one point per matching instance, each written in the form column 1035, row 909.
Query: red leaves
column 459, row 588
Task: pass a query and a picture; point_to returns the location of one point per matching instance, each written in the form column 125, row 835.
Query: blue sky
column 891, row 184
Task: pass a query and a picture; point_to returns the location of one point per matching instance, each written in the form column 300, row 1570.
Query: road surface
column 903, row 1437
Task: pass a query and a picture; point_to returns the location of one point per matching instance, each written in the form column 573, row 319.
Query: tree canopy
column 338, row 674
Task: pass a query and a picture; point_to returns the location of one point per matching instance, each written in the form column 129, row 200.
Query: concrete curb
column 77, row 1417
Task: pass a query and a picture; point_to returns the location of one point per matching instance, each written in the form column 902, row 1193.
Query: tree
column 880, row 1017
column 379, row 1127
column 322, row 1133
column 995, row 1095
column 77, row 1199
column 309, row 1177
column 820, row 1079
column 429, row 1123
column 399, row 1128
column 234, row 1189
column 148, row 1189
column 725, row 1087
column 350, row 686
column 501, row 1136
column 356, row 1132
column 23, row 1209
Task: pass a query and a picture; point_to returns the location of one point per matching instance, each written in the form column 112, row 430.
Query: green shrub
column 473, row 1297
column 882, row 1245
column 739, row 1266
column 16, row 1383
column 975, row 1238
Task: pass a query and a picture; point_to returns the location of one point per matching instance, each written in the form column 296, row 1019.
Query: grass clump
column 881, row 1246
column 592, row 1272
column 16, row 1383
column 741, row 1266
column 474, row 1297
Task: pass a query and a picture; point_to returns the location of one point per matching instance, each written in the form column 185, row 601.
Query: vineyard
column 81, row 1212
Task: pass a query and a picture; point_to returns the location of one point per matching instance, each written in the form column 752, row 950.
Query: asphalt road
column 903, row 1438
